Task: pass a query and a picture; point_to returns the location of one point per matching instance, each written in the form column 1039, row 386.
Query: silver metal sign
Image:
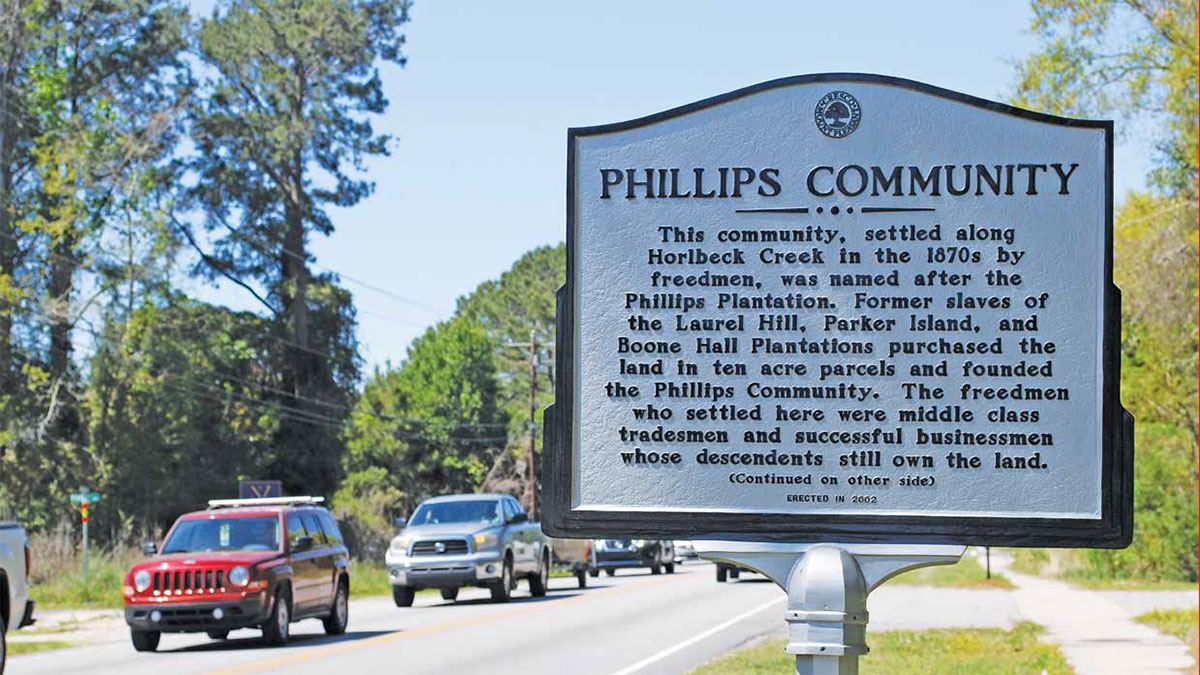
column 841, row 308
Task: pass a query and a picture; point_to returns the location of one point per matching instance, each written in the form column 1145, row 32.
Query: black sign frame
column 1114, row 529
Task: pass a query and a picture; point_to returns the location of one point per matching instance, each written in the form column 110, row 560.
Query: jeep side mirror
column 518, row 518
column 302, row 544
column 401, row 522
column 149, row 548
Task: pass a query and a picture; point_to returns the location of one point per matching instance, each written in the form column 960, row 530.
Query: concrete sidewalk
column 1095, row 634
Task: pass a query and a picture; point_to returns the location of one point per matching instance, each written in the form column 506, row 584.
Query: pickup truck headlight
column 485, row 541
column 141, row 580
column 239, row 576
column 400, row 546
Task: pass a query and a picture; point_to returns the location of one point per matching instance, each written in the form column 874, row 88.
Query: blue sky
column 481, row 111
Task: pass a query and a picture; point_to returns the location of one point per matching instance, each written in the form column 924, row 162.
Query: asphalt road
column 634, row 623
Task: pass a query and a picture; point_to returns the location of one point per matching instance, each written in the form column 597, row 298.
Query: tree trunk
column 295, row 281
column 62, row 275
column 10, row 44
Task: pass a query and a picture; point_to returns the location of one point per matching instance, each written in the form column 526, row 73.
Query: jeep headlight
column 486, row 540
column 141, row 580
column 239, row 576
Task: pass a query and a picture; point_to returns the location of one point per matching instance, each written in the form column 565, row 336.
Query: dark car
column 242, row 563
column 614, row 554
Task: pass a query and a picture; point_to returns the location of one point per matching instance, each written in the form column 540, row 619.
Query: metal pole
column 987, row 552
column 85, row 544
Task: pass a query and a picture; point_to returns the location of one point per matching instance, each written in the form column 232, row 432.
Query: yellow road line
column 304, row 655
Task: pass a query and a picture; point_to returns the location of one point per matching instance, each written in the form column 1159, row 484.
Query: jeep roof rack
column 264, row 501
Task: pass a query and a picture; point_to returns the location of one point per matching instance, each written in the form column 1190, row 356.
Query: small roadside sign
column 259, row 489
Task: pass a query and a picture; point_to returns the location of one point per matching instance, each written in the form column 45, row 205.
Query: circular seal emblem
column 837, row 114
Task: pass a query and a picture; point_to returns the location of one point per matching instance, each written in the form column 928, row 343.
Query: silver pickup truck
column 16, row 609
column 481, row 540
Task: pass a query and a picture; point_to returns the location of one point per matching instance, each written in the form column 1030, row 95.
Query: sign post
column 840, row 326
column 83, row 499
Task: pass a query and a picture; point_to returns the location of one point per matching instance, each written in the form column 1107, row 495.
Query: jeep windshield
column 483, row 511
column 224, row 534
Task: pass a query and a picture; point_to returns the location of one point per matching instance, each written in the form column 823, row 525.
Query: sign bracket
column 827, row 587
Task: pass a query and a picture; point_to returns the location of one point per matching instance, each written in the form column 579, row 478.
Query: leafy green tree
column 518, row 308
column 1133, row 58
column 180, row 408
column 87, row 102
column 433, row 425
column 1137, row 60
column 282, row 128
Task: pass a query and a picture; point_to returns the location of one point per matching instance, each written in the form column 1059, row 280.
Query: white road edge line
column 693, row 640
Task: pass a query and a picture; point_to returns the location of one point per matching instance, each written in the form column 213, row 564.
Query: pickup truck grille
column 448, row 547
column 188, row 580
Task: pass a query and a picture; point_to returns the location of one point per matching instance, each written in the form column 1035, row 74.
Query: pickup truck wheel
column 339, row 614
column 449, row 594
column 217, row 634
column 403, row 595
column 541, row 580
column 610, row 573
column 278, row 625
column 581, row 577
column 722, row 573
column 145, row 640
column 594, row 573
column 502, row 589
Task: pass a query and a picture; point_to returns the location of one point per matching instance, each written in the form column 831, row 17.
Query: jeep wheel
column 734, row 572
column 581, row 577
column 278, row 625
column 218, row 634
column 611, row 573
column 502, row 589
column 403, row 595
column 594, row 573
column 449, row 594
column 540, row 581
column 339, row 614
column 145, row 640
column 670, row 567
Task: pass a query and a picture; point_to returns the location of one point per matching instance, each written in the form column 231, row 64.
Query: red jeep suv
column 242, row 563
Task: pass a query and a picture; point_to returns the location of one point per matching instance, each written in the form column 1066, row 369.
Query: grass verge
column 929, row 652
column 1131, row 584
column 1181, row 623
column 368, row 579
column 103, row 588
column 966, row 573
column 15, row 648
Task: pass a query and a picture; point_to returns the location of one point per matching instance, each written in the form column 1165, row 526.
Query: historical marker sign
column 841, row 308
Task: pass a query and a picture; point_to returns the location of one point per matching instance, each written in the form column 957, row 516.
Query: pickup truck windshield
column 476, row 511
column 224, row 534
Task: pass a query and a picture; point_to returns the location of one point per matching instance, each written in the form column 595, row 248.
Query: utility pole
column 531, row 485
column 530, row 496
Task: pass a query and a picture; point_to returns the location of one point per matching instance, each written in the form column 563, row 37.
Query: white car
column 16, row 609
column 684, row 550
